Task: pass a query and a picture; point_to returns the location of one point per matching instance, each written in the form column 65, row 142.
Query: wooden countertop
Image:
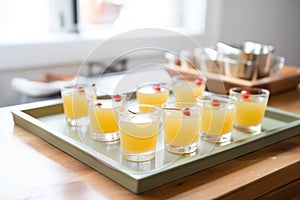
column 31, row 168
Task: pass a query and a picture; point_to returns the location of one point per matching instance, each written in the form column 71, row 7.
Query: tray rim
column 23, row 119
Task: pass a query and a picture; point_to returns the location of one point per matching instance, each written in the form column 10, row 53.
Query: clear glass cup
column 187, row 88
column 75, row 103
column 103, row 114
column 152, row 93
column 217, row 117
column 139, row 127
column 181, row 125
column 251, row 107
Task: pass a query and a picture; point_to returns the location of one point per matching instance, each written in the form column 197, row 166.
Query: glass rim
column 258, row 91
column 194, row 104
column 222, row 97
column 124, row 110
column 162, row 84
column 105, row 97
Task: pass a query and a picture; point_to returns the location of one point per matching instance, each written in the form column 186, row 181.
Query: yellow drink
column 181, row 130
column 187, row 90
column 104, row 119
column 216, row 121
column 139, row 135
column 217, row 117
column 149, row 95
column 139, row 127
column 103, row 113
column 251, row 106
column 250, row 113
column 75, row 104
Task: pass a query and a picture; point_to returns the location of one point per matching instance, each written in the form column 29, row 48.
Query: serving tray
column 46, row 120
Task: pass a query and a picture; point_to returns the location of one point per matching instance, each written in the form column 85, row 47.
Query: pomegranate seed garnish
column 98, row 105
column 156, row 87
column 93, row 84
column 186, row 111
column 215, row 102
column 117, row 97
column 80, row 89
column 198, row 81
column 245, row 94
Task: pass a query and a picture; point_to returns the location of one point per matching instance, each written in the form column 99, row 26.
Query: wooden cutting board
column 287, row 79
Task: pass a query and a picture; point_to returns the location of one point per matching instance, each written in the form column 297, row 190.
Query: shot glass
column 251, row 107
column 181, row 125
column 75, row 103
column 187, row 88
column 217, row 117
column 152, row 93
column 103, row 114
column 139, row 127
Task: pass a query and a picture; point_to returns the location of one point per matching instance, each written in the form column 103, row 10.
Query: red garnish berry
column 80, row 89
column 245, row 94
column 98, row 105
column 93, row 84
column 198, row 81
column 186, row 111
column 117, row 97
column 215, row 102
column 156, row 87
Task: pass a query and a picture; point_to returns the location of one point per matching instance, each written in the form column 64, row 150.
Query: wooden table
column 30, row 168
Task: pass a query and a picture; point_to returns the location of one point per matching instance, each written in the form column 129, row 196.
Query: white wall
column 275, row 22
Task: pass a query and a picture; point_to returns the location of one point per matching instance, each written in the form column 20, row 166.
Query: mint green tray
column 46, row 120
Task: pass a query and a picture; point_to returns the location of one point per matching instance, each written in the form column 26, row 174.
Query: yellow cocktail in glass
column 75, row 103
column 187, row 88
column 138, row 131
column 217, row 117
column 181, row 126
column 251, row 107
column 103, row 113
column 152, row 93
column 250, row 113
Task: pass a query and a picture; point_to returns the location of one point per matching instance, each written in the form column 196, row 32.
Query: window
column 115, row 16
column 19, row 16
column 46, row 16
column 31, row 29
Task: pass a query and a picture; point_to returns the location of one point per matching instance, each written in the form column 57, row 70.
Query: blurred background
column 40, row 37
